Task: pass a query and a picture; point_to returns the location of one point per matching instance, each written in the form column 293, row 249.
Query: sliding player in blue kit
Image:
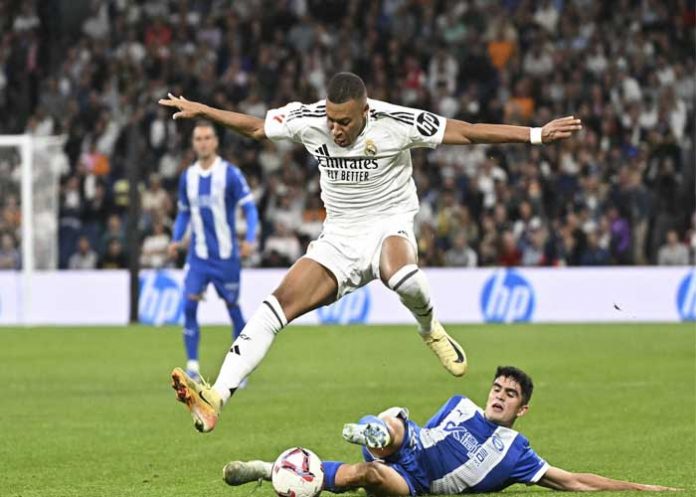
column 461, row 449
column 209, row 192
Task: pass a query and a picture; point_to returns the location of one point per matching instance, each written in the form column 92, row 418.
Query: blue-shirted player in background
column 461, row 449
column 209, row 192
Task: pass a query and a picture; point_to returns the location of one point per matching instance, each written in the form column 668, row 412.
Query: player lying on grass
column 363, row 150
column 462, row 448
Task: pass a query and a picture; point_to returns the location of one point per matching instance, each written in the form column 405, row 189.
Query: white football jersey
column 373, row 176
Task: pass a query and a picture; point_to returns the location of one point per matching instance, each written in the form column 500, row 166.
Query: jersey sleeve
column 446, row 408
column 423, row 128
column 242, row 196
column 183, row 200
column 529, row 467
column 183, row 215
column 238, row 186
column 284, row 123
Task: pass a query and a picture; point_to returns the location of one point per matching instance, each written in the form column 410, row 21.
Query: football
column 298, row 472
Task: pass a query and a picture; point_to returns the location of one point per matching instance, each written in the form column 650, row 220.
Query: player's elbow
column 258, row 134
column 257, row 131
column 581, row 482
column 457, row 133
column 576, row 487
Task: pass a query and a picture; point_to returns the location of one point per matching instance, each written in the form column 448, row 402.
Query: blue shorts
column 223, row 274
column 407, row 462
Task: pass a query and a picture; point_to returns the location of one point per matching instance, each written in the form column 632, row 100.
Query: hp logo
column 160, row 299
column 351, row 309
column 507, row 298
column 686, row 297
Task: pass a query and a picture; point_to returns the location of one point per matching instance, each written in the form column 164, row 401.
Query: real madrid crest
column 370, row 147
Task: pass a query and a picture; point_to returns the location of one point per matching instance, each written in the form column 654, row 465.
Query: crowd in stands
column 620, row 192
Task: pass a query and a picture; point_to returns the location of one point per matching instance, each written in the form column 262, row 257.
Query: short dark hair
column 204, row 123
column 345, row 86
column 523, row 380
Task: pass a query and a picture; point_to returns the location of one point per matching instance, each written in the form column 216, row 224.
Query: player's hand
column 246, row 249
column 560, row 129
column 173, row 250
column 187, row 109
column 660, row 488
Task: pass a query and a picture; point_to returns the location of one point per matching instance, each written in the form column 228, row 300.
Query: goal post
column 41, row 160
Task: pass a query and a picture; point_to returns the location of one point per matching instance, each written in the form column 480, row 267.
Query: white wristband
column 535, row 136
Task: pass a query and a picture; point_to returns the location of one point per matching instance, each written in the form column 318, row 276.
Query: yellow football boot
column 446, row 348
column 203, row 402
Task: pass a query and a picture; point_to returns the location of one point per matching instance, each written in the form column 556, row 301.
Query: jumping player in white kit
column 363, row 149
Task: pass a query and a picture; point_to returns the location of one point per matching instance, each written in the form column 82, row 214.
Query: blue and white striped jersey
column 460, row 451
column 208, row 199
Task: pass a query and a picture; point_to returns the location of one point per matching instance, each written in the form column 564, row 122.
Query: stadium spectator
column 71, row 207
column 428, row 252
column 286, row 209
column 509, row 254
column 673, row 252
column 282, row 247
column 155, row 200
column 312, row 218
column 114, row 231
column 85, row 257
column 96, row 212
column 628, row 72
column 114, row 258
column 594, row 254
column 534, row 250
column 460, row 254
column 502, row 43
column 154, row 250
column 9, row 254
column 11, row 215
column 620, row 237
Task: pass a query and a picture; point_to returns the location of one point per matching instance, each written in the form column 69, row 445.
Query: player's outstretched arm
column 249, row 126
column 559, row 479
column 464, row 133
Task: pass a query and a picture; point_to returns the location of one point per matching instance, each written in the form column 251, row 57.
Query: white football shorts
column 351, row 251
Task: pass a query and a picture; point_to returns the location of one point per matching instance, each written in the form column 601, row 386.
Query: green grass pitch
column 89, row 411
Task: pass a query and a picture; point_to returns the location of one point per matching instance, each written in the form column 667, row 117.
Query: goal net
column 30, row 170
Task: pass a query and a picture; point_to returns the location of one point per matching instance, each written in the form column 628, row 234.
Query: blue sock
column 238, row 322
column 192, row 332
column 330, row 469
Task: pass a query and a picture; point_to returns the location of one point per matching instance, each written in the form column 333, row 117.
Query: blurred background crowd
column 621, row 192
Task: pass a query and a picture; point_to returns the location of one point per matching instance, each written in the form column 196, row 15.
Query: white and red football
column 298, row 472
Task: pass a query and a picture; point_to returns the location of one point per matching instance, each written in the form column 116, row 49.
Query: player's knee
column 372, row 475
column 409, row 281
column 396, row 429
column 283, row 296
column 397, row 252
column 288, row 298
column 190, row 306
column 283, row 292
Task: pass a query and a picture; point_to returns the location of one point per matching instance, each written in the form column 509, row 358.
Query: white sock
column 192, row 365
column 250, row 347
column 410, row 283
